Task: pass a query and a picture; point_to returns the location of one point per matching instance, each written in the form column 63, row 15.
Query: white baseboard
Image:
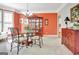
column 50, row 35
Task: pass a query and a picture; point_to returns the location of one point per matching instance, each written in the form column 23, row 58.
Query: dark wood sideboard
column 70, row 38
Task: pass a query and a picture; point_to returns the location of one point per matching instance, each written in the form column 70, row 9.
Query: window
column 7, row 20
column 0, row 20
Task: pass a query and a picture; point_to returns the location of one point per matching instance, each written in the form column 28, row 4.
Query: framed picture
column 75, row 13
column 46, row 22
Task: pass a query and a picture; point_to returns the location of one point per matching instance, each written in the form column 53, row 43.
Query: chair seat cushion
column 26, row 42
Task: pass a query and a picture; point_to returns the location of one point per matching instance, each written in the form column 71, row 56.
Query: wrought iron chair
column 38, row 38
column 18, row 39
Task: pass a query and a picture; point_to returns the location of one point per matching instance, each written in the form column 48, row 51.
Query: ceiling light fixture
column 28, row 12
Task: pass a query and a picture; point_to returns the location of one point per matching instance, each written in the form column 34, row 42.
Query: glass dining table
column 28, row 36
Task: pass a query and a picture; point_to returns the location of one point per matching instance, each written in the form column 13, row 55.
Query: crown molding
column 46, row 12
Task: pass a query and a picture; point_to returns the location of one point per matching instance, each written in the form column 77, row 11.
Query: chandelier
column 28, row 12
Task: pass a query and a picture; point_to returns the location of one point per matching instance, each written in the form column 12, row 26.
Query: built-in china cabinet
column 35, row 24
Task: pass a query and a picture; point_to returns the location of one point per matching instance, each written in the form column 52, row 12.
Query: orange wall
column 51, row 28
column 16, row 20
column 17, row 17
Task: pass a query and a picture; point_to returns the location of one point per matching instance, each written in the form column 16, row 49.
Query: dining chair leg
column 34, row 41
column 18, row 49
column 26, row 45
column 18, row 45
column 11, row 44
column 42, row 40
column 11, row 47
column 40, row 43
column 31, row 43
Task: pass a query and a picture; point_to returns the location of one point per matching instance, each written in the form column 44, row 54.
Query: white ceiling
column 34, row 7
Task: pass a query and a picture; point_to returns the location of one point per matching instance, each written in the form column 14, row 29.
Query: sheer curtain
column 7, row 20
column 0, row 20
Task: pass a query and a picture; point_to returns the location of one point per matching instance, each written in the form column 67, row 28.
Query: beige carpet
column 52, row 46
